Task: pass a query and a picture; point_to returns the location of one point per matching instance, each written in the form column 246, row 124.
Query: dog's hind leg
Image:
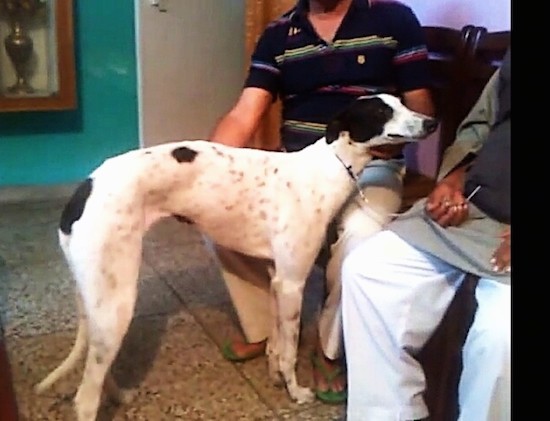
column 74, row 356
column 107, row 327
column 110, row 301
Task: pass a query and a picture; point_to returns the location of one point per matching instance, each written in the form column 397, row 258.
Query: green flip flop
column 229, row 353
column 328, row 396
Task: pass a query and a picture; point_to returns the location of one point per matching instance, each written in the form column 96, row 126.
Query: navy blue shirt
column 378, row 48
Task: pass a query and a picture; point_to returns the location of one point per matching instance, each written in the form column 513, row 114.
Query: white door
column 191, row 64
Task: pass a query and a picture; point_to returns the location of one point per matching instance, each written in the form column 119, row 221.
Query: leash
column 372, row 213
column 355, row 179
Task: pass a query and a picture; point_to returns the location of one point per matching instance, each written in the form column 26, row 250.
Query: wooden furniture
column 37, row 57
column 447, row 49
column 8, row 404
column 462, row 62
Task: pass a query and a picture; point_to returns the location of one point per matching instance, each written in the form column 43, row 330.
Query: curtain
column 258, row 14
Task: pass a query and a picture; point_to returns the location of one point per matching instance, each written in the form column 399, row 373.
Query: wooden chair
column 447, row 48
column 485, row 53
column 462, row 61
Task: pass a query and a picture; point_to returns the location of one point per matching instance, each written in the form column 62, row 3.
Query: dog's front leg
column 288, row 296
column 273, row 350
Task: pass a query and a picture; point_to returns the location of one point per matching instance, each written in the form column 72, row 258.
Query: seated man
column 318, row 58
column 397, row 284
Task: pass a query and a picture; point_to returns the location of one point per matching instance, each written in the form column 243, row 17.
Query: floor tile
column 318, row 412
column 31, row 213
column 171, row 364
column 24, row 246
column 39, row 298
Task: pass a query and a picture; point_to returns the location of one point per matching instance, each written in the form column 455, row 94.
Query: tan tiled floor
column 171, row 353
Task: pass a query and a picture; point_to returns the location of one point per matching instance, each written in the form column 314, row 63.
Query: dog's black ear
column 332, row 132
column 363, row 120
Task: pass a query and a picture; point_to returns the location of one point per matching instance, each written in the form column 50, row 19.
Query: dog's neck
column 353, row 156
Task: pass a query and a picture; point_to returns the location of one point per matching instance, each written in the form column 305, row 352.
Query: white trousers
column 247, row 278
column 393, row 298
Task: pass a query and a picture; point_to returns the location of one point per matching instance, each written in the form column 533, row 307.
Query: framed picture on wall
column 37, row 67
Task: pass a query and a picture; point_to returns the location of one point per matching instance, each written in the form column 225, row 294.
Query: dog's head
column 379, row 120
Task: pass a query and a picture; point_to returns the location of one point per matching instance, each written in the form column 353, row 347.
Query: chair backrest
column 447, row 48
column 461, row 62
column 485, row 53
column 489, row 48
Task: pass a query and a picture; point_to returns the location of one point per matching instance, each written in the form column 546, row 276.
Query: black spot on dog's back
column 75, row 207
column 184, row 154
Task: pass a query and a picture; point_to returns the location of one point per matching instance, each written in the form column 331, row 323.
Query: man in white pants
column 397, row 284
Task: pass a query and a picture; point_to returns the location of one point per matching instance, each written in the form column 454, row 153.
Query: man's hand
column 446, row 204
column 502, row 259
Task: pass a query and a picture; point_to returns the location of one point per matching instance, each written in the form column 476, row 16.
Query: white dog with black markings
column 281, row 202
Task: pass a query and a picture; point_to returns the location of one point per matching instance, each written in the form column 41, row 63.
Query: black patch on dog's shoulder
column 184, row 154
column 363, row 119
column 183, row 219
column 75, row 206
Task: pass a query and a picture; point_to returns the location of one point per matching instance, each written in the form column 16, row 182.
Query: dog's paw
column 302, row 394
column 277, row 380
column 275, row 376
column 121, row 396
column 126, row 396
column 273, row 368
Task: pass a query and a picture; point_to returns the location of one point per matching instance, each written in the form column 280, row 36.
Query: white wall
column 191, row 66
column 495, row 15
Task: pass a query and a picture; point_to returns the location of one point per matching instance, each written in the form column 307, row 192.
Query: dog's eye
column 387, row 112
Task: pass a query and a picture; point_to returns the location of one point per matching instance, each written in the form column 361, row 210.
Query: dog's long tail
column 79, row 347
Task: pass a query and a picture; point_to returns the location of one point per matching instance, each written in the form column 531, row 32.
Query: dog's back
column 215, row 187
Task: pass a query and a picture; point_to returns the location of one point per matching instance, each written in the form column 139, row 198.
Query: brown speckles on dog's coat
column 258, row 203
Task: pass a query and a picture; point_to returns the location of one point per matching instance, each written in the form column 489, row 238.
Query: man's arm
column 419, row 100
column 473, row 130
column 446, row 204
column 238, row 126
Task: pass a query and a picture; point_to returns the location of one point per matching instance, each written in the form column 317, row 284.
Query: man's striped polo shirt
column 379, row 47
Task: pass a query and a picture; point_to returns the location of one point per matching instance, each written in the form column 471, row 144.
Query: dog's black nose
column 430, row 125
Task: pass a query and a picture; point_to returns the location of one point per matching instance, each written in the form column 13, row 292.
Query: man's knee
column 353, row 263
column 492, row 339
column 350, row 268
column 493, row 319
column 490, row 335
